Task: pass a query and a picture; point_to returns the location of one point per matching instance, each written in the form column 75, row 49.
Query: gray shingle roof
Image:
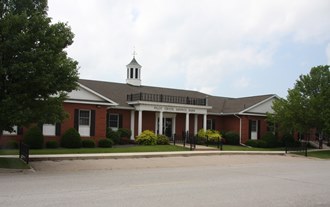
column 118, row 92
column 134, row 63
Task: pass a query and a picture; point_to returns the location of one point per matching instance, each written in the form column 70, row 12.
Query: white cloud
column 328, row 53
column 202, row 42
column 242, row 82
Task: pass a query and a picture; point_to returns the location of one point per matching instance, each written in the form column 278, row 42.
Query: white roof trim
column 257, row 104
column 88, row 102
column 91, row 102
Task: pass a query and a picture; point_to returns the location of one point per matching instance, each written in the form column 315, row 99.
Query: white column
column 196, row 124
column 187, row 122
column 160, row 131
column 132, row 124
column 140, row 122
column 204, row 121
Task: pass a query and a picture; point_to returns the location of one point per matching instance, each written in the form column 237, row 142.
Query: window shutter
column 40, row 126
column 19, row 130
column 76, row 117
column 107, row 125
column 120, row 124
column 58, row 129
column 258, row 126
column 250, row 126
column 213, row 124
column 92, row 127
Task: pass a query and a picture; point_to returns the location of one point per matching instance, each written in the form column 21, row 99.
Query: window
column 210, row 124
column 131, row 75
column 49, row 129
column 84, row 118
column 11, row 133
column 136, row 73
column 114, row 120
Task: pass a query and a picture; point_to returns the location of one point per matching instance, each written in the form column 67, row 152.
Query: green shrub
column 271, row 140
column 256, row 143
column 11, row 144
column 71, row 139
column 162, row 140
column 34, row 138
column 147, row 137
column 52, row 144
column 106, row 143
column 113, row 135
column 232, row 138
column 124, row 140
column 212, row 136
column 123, row 132
column 88, row 143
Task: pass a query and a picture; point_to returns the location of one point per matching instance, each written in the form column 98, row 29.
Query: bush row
column 269, row 140
column 148, row 137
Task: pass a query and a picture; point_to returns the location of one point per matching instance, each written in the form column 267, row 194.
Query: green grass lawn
column 318, row 154
column 13, row 163
column 138, row 148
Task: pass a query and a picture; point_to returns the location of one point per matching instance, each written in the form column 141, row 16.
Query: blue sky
column 225, row 48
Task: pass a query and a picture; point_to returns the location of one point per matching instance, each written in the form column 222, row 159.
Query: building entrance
column 167, row 127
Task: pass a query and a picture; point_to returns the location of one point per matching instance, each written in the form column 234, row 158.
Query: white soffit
column 84, row 94
column 262, row 107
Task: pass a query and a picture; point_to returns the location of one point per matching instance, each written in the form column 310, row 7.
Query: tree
column 307, row 105
column 35, row 72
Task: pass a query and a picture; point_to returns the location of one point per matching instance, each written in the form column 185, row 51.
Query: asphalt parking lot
column 226, row 180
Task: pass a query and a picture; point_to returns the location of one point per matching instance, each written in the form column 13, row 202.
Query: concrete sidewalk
column 142, row 155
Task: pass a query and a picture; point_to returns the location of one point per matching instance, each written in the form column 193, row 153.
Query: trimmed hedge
column 88, row 143
column 34, row 138
column 232, row 138
column 106, row 143
column 123, row 132
column 113, row 135
column 11, row 144
column 268, row 140
column 52, row 144
column 71, row 139
column 147, row 137
column 162, row 140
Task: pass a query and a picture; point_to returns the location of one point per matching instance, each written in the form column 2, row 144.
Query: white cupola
column 134, row 73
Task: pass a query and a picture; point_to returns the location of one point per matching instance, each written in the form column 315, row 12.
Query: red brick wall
column 100, row 123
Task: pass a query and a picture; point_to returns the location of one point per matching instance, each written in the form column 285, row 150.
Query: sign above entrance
column 173, row 109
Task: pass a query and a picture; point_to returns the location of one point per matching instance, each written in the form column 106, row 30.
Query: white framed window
column 210, row 124
column 84, row 122
column 254, row 129
column 49, row 129
column 10, row 133
column 114, row 121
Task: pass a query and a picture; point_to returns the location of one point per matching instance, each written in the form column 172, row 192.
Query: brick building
column 96, row 105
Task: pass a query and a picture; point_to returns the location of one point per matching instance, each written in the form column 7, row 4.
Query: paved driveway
column 227, row 180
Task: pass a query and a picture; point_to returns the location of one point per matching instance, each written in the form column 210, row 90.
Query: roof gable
column 262, row 107
column 86, row 95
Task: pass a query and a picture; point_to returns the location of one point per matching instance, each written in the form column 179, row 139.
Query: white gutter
column 240, row 128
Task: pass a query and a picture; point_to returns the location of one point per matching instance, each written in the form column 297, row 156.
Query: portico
column 166, row 114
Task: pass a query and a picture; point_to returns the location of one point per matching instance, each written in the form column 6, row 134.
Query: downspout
column 240, row 128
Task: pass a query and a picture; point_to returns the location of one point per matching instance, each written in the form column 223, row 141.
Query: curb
column 145, row 155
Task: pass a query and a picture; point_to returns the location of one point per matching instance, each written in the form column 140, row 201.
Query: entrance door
column 167, row 127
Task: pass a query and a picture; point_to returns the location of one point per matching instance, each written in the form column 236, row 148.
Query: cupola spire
column 134, row 72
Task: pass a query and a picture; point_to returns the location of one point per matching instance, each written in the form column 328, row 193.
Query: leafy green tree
column 35, row 71
column 307, row 105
